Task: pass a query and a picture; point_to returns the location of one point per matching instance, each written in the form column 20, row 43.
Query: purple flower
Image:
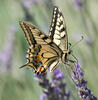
column 43, row 97
column 78, row 74
column 81, row 84
column 60, row 86
column 58, row 74
column 42, row 79
column 54, row 89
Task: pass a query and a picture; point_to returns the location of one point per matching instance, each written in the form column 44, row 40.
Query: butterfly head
column 66, row 55
column 70, row 52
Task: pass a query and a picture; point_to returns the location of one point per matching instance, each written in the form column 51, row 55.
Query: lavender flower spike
column 54, row 90
column 81, row 84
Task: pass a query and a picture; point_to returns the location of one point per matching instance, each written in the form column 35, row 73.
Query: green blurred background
column 81, row 17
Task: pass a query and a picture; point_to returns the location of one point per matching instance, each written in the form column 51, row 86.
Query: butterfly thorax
column 65, row 56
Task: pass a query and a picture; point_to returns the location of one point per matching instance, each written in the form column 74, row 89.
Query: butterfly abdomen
column 64, row 57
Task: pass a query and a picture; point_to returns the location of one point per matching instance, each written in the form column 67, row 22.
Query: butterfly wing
column 43, row 53
column 58, row 31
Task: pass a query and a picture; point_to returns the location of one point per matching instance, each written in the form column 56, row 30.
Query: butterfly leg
column 70, row 63
column 75, row 58
column 67, row 64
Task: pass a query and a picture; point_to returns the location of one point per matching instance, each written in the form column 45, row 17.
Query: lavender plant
column 81, row 84
column 54, row 89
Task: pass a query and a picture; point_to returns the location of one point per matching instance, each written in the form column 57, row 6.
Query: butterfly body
column 46, row 51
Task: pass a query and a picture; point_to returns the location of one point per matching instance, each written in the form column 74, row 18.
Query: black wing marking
column 58, row 31
column 33, row 35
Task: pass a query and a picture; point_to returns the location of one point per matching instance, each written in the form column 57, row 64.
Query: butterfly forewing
column 34, row 35
column 42, row 53
column 58, row 32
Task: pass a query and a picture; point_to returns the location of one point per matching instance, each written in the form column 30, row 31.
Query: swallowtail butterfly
column 46, row 51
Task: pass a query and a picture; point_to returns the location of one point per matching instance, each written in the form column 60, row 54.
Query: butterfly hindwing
column 58, row 32
column 42, row 53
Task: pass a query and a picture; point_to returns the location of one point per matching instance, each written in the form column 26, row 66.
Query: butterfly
column 47, row 51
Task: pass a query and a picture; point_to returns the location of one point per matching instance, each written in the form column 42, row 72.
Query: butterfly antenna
column 77, row 42
column 23, row 66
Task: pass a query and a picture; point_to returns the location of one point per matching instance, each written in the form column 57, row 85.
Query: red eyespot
column 42, row 69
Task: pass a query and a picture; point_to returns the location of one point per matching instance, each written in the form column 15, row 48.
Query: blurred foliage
column 19, row 84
